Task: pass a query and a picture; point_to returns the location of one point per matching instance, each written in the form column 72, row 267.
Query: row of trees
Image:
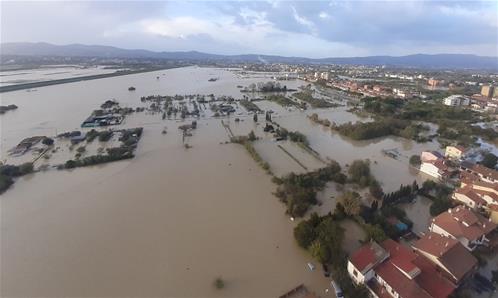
column 9, row 172
column 380, row 128
column 405, row 193
column 307, row 96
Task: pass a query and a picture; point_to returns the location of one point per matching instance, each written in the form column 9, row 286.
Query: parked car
column 337, row 289
column 311, row 266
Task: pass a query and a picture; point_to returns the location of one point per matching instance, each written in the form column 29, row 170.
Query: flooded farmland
column 171, row 220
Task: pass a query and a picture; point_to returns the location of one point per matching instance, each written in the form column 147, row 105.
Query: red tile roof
column 457, row 260
column 463, row 222
column 404, row 286
column 487, row 172
column 368, row 256
column 431, row 280
column 401, row 257
column 471, row 194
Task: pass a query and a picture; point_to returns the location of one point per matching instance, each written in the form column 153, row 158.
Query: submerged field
column 170, row 220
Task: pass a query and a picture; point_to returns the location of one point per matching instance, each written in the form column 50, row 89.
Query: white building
column 455, row 152
column 456, row 101
column 434, row 168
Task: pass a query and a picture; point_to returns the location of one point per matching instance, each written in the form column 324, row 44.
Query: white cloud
column 304, row 21
column 323, row 15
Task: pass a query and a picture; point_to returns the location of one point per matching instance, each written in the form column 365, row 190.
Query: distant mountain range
column 438, row 61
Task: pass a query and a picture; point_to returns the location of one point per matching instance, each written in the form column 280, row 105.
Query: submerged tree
column 219, row 283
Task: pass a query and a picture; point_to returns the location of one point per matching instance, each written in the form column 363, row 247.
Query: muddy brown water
column 171, row 220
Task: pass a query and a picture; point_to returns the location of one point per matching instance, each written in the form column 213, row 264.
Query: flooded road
column 171, row 220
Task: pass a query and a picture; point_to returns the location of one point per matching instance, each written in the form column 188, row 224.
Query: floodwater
column 171, row 220
column 15, row 77
column 166, row 223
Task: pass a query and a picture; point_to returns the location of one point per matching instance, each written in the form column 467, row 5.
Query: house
column 393, row 270
column 455, row 152
column 435, row 168
column 476, row 193
column 430, row 156
column 449, row 256
column 485, row 174
column 468, row 227
column 469, row 197
column 473, row 181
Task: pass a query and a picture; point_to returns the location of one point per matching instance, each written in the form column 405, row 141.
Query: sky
column 314, row 29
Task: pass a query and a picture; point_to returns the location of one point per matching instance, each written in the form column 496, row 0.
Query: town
column 291, row 149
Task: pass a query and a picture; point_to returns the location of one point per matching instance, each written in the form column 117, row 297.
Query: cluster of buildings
column 435, row 164
column 441, row 261
column 372, row 90
column 487, row 100
column 433, row 266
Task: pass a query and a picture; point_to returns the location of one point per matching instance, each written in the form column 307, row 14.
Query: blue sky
column 290, row 28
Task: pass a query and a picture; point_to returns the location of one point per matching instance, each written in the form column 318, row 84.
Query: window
column 355, row 273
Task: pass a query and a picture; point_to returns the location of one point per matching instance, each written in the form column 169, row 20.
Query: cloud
column 304, row 21
column 323, row 15
column 299, row 28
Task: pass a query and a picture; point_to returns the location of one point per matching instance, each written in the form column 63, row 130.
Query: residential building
column 456, row 101
column 455, row 152
column 461, row 223
column 476, row 193
column 325, row 75
column 487, row 90
column 480, row 172
column 435, row 168
column 394, row 270
column 449, row 255
column 434, row 83
column 430, row 156
column 469, row 197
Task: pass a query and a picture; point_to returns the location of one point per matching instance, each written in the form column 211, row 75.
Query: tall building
column 495, row 93
column 456, row 100
column 487, row 90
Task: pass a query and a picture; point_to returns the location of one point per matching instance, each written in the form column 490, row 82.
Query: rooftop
column 457, row 260
column 368, row 256
column 463, row 222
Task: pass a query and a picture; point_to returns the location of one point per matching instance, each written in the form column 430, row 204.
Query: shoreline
column 24, row 86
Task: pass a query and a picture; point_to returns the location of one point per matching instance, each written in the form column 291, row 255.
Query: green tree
column 415, row 160
column 489, row 160
column 374, row 232
column 375, row 189
column 26, row 168
column 48, row 141
column 359, row 172
column 219, row 283
column 304, row 233
column 351, row 203
column 251, row 136
column 319, row 251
